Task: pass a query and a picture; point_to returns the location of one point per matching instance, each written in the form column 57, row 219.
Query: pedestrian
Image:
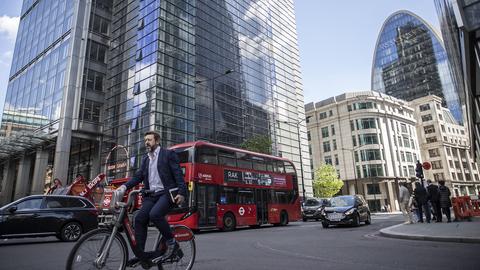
column 160, row 172
column 434, row 199
column 56, row 185
column 444, row 200
column 403, row 198
column 420, row 194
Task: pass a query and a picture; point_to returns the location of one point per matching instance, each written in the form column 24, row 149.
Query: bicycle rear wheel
column 185, row 256
column 90, row 246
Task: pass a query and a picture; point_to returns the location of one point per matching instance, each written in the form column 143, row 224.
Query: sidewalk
column 462, row 231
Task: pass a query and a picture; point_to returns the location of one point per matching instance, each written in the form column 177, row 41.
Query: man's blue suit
column 155, row 207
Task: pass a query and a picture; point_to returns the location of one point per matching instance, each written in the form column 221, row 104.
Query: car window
column 64, row 203
column 312, row 203
column 342, row 201
column 29, row 204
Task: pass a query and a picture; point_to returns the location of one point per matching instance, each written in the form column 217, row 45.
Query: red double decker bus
column 230, row 187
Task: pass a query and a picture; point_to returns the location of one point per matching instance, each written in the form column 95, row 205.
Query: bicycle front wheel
column 86, row 251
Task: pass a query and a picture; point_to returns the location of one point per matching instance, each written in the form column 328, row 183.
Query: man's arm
column 136, row 179
column 174, row 164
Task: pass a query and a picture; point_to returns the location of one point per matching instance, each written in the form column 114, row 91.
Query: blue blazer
column 169, row 171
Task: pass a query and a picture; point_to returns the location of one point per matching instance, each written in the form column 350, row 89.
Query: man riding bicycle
column 160, row 173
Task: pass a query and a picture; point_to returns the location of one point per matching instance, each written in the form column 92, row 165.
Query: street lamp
column 297, row 124
column 226, row 72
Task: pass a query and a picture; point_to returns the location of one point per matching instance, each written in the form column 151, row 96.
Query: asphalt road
column 297, row 246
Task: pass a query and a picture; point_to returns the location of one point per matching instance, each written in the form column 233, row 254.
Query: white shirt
column 154, row 180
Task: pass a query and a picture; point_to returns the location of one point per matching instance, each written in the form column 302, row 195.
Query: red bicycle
column 106, row 248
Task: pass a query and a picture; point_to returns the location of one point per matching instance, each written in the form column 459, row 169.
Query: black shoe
column 171, row 249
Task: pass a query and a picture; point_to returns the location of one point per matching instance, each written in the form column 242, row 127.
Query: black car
column 312, row 208
column 65, row 217
column 348, row 209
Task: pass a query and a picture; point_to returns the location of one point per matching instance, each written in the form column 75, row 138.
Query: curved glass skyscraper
column 410, row 61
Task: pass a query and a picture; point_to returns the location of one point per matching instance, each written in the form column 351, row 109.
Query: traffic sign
column 426, row 165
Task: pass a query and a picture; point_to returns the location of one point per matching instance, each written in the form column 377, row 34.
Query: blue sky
column 336, row 41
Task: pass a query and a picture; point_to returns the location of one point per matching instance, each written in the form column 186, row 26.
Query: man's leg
column 141, row 226
column 427, row 212
column 157, row 216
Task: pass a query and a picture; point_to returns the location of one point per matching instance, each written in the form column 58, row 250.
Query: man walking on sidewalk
column 445, row 202
column 434, row 199
column 403, row 200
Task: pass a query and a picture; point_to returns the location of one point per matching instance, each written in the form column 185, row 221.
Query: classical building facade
column 371, row 140
column 445, row 144
column 410, row 61
column 89, row 75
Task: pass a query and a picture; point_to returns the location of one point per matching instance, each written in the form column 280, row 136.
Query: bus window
column 259, row 165
column 244, row 161
column 206, row 155
column 289, row 167
column 184, row 154
column 282, row 197
column 278, row 167
column 227, row 158
column 228, row 195
column 269, row 164
column 245, row 196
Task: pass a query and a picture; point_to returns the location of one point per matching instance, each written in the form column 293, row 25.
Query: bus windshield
column 184, row 154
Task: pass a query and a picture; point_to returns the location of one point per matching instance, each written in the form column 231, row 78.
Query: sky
column 336, row 41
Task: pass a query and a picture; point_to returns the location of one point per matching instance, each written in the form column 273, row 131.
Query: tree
column 258, row 143
column 326, row 182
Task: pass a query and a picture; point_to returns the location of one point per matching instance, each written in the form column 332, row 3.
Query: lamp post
column 226, row 72
column 297, row 124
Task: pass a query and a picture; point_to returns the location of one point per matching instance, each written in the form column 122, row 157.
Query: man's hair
column 441, row 182
column 429, row 181
column 155, row 134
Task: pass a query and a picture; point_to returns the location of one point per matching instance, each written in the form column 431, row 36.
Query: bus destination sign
column 253, row 178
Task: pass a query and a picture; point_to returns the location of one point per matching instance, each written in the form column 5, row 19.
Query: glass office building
column 410, row 61
column 222, row 71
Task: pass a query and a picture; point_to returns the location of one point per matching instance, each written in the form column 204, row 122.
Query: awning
column 21, row 141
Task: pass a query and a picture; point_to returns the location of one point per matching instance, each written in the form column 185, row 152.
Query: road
column 297, row 246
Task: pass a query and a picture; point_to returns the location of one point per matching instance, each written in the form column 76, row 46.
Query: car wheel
column 229, row 222
column 356, row 220
column 368, row 221
column 71, row 232
column 325, row 225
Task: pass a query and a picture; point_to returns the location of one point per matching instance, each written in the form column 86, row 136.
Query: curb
column 387, row 232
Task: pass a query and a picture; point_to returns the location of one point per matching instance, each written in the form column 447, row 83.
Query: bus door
column 261, row 201
column 207, row 205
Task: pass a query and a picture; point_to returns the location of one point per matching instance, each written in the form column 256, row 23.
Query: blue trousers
column 154, row 208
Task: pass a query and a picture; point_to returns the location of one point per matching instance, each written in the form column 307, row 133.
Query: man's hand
column 120, row 191
column 179, row 199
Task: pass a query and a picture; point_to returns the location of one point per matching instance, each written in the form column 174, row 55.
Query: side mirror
column 12, row 209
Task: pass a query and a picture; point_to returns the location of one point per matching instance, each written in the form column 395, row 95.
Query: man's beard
column 151, row 148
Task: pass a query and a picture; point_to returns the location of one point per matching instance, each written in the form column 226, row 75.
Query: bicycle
column 106, row 248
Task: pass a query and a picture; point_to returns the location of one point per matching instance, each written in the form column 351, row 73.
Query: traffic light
column 419, row 170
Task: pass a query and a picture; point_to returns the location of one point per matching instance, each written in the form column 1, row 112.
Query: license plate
column 335, row 216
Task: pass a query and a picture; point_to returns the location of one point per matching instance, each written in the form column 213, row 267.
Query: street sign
column 426, row 165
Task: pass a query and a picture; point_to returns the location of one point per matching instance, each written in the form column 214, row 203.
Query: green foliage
column 259, row 143
column 326, row 182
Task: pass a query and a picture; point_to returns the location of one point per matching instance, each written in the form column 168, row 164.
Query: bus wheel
column 229, row 222
column 283, row 218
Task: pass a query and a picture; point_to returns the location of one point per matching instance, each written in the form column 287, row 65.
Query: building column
column 394, row 206
column 41, row 163
column 22, row 186
column 7, row 182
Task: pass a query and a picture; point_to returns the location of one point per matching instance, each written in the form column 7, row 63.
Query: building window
column 90, row 110
column 370, row 154
column 334, row 144
column 309, row 136
column 402, row 154
column 326, row 146
column 429, row 129
column 366, row 123
column 400, row 141
column 372, row 170
column 440, row 116
column 442, row 127
column 336, row 159
column 426, row 117
column 354, row 141
column 406, row 142
column 415, row 157
column 96, row 51
column 450, row 162
column 438, row 176
column 324, row 132
column 369, row 138
column 433, row 152
column 352, row 126
column 409, row 156
column 323, row 115
column 330, row 113
column 431, row 139
column 332, row 127
column 99, row 24
column 328, row 160
column 403, row 127
column 373, row 189
column 94, row 80
column 411, row 170
column 437, row 164
column 448, row 151
column 424, row 107
column 454, row 176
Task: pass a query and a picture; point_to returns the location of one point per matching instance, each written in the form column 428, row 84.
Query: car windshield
column 342, row 201
column 312, row 203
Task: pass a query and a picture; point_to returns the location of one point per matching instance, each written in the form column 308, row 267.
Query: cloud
column 9, row 26
column 6, row 58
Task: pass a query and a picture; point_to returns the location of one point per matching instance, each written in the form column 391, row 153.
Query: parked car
column 312, row 207
column 65, row 217
column 349, row 209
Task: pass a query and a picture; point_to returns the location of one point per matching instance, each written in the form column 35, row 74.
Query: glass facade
column 410, row 62
column 37, row 76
